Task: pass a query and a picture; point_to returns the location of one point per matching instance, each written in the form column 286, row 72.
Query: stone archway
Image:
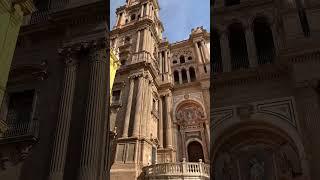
column 256, row 151
column 195, row 151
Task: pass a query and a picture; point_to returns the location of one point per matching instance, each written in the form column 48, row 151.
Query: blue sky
column 177, row 16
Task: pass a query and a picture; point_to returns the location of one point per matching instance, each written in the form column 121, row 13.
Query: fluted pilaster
column 92, row 135
column 64, row 118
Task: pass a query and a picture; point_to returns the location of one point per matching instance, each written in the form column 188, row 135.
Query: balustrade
column 180, row 169
column 20, row 129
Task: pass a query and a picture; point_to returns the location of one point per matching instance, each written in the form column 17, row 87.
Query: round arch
column 259, row 132
column 195, row 151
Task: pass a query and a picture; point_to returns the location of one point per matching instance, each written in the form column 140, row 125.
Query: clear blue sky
column 178, row 16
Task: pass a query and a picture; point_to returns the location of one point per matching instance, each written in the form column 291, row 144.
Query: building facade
column 265, row 89
column 160, row 99
column 56, row 97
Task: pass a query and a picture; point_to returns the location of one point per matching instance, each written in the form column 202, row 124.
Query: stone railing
column 17, row 130
column 180, row 170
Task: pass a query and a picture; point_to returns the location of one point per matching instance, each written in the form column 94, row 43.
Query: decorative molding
column 220, row 115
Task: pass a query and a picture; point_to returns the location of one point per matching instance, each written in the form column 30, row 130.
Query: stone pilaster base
column 131, row 156
column 165, row 155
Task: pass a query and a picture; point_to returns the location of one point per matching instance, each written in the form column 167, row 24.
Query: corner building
column 160, row 102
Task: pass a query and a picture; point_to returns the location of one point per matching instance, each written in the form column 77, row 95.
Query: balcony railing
column 20, row 130
column 174, row 170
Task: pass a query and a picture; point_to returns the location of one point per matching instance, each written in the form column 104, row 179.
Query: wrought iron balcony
column 20, row 132
column 181, row 170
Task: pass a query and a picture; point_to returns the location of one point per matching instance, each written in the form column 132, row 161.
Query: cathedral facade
column 265, row 90
column 160, row 99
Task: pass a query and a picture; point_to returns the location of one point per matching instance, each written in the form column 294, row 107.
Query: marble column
column 205, row 51
column 138, row 41
column 180, row 77
column 161, row 122
column 160, row 62
column 166, row 60
column 128, row 110
column 142, row 9
column 147, row 9
column 188, row 76
column 60, row 145
column 144, row 107
column 169, row 122
column 225, row 52
column 95, row 113
column 198, row 53
column 136, row 124
column 251, row 47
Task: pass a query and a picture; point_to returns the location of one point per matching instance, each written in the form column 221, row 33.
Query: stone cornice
column 257, row 75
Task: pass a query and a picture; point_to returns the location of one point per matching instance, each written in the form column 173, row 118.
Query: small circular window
column 189, row 58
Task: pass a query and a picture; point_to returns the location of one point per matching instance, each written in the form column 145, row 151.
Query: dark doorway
column 195, row 152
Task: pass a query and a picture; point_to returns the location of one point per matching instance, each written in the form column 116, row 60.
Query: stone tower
column 145, row 80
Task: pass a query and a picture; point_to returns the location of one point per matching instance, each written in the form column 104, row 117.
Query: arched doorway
column 195, row 151
column 255, row 151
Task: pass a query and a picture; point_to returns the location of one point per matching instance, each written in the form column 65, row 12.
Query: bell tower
column 143, row 74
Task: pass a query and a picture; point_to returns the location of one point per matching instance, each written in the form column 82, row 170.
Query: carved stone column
column 95, row 113
column 142, row 10
column 161, row 122
column 136, row 124
column 206, row 52
column 64, row 117
column 198, row 53
column 160, row 62
column 168, row 98
column 251, row 47
column 128, row 110
column 225, row 52
column 167, row 63
column 138, row 41
column 188, row 76
column 180, row 77
column 144, row 42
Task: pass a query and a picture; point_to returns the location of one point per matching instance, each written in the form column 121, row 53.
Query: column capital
column 69, row 56
column 26, row 6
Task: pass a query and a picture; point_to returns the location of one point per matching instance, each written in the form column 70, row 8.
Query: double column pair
column 143, row 96
column 91, row 140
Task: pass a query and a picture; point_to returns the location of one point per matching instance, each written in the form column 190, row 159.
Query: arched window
column 231, row 2
column 192, row 74
column 238, row 47
column 176, row 77
column 216, row 66
column 184, row 76
column 189, row 58
column 127, row 39
column 182, row 60
column 174, row 61
column 133, row 17
column 264, row 41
